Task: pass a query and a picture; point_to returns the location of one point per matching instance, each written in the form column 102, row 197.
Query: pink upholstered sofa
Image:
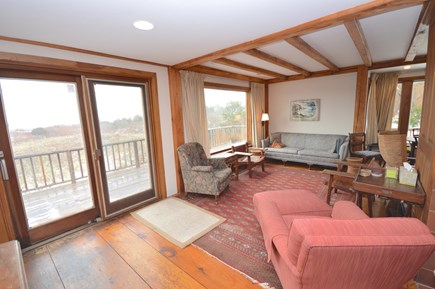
column 314, row 246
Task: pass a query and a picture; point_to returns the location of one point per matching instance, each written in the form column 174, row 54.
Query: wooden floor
column 123, row 253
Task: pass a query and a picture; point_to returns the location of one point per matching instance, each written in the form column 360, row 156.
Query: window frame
column 220, row 86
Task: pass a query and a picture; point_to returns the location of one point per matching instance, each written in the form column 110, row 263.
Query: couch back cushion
column 345, row 210
column 396, row 228
column 323, row 142
column 326, row 142
column 293, row 140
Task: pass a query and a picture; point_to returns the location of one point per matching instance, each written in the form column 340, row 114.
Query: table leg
column 236, row 169
column 249, row 167
column 370, row 199
column 328, row 195
column 358, row 199
column 408, row 210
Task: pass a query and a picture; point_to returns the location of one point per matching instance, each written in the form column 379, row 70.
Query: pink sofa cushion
column 345, row 210
column 296, row 201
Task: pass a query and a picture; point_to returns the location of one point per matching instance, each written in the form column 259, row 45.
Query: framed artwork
column 305, row 110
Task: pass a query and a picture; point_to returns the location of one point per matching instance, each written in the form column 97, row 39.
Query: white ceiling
column 192, row 28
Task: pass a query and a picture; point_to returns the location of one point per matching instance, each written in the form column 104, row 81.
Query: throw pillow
column 277, row 144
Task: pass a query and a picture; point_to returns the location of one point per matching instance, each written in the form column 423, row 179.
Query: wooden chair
column 249, row 156
column 343, row 180
column 358, row 148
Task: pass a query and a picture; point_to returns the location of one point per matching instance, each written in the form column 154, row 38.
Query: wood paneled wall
column 426, row 153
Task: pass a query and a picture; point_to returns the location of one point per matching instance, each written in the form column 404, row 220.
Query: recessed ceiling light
column 143, row 25
column 407, row 67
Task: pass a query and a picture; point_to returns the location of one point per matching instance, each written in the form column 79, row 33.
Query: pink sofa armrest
column 271, row 223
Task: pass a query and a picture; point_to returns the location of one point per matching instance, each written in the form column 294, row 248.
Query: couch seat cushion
column 284, row 150
column 345, row 210
column 288, row 219
column 318, row 153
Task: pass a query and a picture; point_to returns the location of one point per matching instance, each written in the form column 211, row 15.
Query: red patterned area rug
column 238, row 242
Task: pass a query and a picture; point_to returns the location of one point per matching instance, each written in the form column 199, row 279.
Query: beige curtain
column 257, row 108
column 380, row 104
column 194, row 110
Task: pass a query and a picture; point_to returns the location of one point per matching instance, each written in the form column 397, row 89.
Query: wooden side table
column 12, row 274
column 389, row 188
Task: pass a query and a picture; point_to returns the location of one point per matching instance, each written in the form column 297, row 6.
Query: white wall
column 162, row 84
column 337, row 101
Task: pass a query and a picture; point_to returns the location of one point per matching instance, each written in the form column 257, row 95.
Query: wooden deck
column 49, row 204
column 124, row 253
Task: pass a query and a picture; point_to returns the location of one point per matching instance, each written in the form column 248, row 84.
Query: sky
column 214, row 97
column 34, row 103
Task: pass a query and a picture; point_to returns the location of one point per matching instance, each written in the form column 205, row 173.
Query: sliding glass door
column 122, row 130
column 45, row 155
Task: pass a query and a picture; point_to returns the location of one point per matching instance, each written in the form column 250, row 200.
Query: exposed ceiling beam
column 222, row 73
column 367, row 9
column 356, row 33
column 314, row 74
column 300, row 44
column 398, row 62
column 376, row 65
column 277, row 61
column 421, row 31
column 239, row 65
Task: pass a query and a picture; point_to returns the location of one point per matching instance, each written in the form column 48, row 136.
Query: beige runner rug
column 178, row 221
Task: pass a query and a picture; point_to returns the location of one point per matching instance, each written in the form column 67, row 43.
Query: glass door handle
column 3, row 168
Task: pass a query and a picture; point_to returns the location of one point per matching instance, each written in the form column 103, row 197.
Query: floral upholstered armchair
column 200, row 174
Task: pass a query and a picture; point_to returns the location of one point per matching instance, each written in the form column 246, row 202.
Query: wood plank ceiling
column 263, row 59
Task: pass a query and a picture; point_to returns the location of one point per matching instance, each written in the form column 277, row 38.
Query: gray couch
column 312, row 149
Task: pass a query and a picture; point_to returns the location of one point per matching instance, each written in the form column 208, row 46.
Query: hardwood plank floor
column 124, row 253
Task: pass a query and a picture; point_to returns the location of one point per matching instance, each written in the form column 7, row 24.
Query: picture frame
column 305, row 110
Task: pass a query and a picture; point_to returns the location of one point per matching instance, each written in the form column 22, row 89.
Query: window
column 226, row 117
column 416, row 104
column 396, row 107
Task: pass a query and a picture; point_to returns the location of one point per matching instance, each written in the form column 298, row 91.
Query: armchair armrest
column 217, row 163
column 202, row 168
column 343, row 151
column 257, row 151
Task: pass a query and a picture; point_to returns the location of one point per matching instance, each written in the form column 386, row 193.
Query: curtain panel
column 257, row 108
column 194, row 110
column 380, row 104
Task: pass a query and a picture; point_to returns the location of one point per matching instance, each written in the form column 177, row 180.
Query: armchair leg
column 216, row 199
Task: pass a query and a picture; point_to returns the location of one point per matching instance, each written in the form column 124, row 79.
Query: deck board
column 63, row 200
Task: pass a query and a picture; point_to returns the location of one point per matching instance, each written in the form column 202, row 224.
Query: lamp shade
column 265, row 117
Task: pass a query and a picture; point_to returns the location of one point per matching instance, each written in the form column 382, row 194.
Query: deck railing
column 226, row 135
column 39, row 171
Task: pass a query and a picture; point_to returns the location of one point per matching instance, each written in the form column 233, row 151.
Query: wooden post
column 71, row 167
column 405, row 106
column 177, row 121
column 360, row 99
column 136, row 154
